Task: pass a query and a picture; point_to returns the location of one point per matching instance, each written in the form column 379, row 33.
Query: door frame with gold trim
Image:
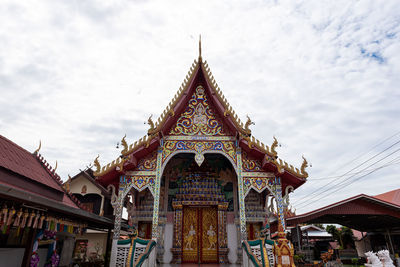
column 201, row 254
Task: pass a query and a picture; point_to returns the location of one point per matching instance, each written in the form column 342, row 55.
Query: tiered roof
column 200, row 71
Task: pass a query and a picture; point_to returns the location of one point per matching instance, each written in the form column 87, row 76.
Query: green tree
column 343, row 235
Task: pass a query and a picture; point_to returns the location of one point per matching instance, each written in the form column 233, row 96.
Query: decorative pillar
column 177, row 245
column 279, row 202
column 156, row 202
column 222, row 236
column 118, row 206
column 242, row 208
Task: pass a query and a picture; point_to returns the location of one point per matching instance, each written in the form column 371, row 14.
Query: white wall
column 168, row 241
column 11, row 257
column 77, row 184
column 232, row 242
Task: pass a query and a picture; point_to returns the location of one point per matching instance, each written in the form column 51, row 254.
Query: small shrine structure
column 199, row 183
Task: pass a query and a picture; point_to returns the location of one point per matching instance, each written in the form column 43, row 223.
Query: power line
column 338, row 176
column 372, row 148
column 332, row 187
column 355, row 180
column 321, row 188
column 328, row 189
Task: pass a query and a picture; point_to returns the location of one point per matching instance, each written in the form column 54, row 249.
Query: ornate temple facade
column 199, row 183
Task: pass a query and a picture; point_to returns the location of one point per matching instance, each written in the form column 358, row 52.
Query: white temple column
column 242, row 208
column 156, row 202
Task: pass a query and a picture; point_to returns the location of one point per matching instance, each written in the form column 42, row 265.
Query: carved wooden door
column 200, row 235
column 190, row 244
column 209, row 239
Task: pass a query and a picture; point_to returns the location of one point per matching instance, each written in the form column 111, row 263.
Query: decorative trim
column 156, row 202
column 198, row 138
column 242, row 207
column 259, row 184
column 258, row 174
column 137, row 173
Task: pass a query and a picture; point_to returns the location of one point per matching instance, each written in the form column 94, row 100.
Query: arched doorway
column 199, row 199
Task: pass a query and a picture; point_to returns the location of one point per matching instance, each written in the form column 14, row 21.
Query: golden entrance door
column 200, row 234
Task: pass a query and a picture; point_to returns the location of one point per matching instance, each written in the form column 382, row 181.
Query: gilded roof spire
column 200, row 48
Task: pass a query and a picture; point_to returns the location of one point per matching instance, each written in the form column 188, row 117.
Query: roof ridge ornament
column 151, row 124
column 200, row 59
column 124, row 144
column 274, row 146
column 40, row 145
column 304, row 166
column 247, row 125
column 97, row 164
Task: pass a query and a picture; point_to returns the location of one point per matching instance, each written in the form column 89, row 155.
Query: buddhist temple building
column 199, row 183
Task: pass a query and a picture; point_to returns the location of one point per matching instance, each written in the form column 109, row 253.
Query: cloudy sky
column 322, row 76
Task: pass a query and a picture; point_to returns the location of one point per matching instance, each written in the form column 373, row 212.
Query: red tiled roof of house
column 19, row 160
column 31, row 166
column 391, row 197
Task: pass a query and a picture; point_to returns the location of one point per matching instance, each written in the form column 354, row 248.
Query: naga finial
column 124, row 144
column 97, row 164
column 200, row 48
column 304, row 165
column 151, row 123
column 247, row 125
column 55, row 168
column 68, row 183
column 40, row 145
column 274, row 146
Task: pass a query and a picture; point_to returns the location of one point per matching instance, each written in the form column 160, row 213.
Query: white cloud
column 321, row 76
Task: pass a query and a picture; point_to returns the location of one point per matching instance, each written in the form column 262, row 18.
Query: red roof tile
column 20, row 161
column 391, row 197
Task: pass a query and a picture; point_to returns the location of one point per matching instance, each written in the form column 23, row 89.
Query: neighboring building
column 90, row 193
column 314, row 233
column 377, row 216
column 39, row 219
column 97, row 200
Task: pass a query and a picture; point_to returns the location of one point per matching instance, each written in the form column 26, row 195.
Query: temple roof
column 34, row 174
column 18, row 160
column 200, row 72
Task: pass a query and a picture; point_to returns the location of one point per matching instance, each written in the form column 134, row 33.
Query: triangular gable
column 199, row 117
column 214, row 116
